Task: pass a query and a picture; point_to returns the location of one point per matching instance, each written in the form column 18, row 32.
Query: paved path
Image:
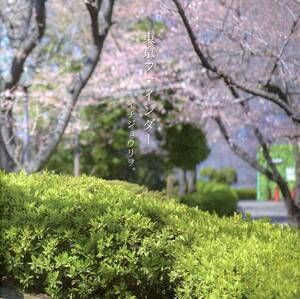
column 276, row 211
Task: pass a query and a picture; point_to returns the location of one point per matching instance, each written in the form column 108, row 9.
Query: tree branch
column 227, row 78
column 7, row 143
column 28, row 45
column 79, row 81
column 240, row 152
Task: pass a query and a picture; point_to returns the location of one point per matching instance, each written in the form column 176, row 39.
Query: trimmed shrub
column 246, row 193
column 226, row 175
column 88, row 238
column 186, row 146
column 213, row 198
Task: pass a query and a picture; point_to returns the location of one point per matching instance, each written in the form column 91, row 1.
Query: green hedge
column 246, row 193
column 88, row 238
column 213, row 198
column 225, row 175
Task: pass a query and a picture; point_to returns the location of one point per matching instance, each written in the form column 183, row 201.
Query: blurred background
column 191, row 98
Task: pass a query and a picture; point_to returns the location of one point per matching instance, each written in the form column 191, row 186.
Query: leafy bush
column 226, row 175
column 214, row 198
column 186, row 146
column 88, row 238
column 246, row 193
column 146, row 25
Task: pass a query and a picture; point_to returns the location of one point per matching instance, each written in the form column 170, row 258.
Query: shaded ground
column 260, row 209
column 7, row 293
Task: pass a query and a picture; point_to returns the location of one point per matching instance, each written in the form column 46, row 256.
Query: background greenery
column 213, row 197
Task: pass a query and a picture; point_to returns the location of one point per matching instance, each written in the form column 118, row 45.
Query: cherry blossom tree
column 246, row 56
column 30, row 27
column 53, row 65
column 231, row 61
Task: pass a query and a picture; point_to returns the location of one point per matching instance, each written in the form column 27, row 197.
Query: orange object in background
column 276, row 194
column 293, row 194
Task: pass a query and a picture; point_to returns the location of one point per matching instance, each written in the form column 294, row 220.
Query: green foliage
column 214, row 198
column 226, row 175
column 103, row 145
column 89, row 238
column 73, row 66
column 62, row 159
column 146, row 25
column 104, row 150
column 150, row 168
column 45, row 86
column 186, row 146
column 246, row 193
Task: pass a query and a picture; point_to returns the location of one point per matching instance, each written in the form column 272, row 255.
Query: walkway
column 259, row 209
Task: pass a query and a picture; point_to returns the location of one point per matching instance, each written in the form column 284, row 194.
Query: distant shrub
column 186, row 145
column 200, row 185
column 226, row 175
column 246, row 193
column 208, row 172
column 88, row 238
column 214, row 198
column 145, row 25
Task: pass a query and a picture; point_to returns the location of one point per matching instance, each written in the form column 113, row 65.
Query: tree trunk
column 26, row 126
column 297, row 183
column 271, row 172
column 181, row 182
column 6, row 161
column 186, row 181
column 297, row 171
column 76, row 162
column 192, row 181
column 170, row 184
column 292, row 209
column 100, row 16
